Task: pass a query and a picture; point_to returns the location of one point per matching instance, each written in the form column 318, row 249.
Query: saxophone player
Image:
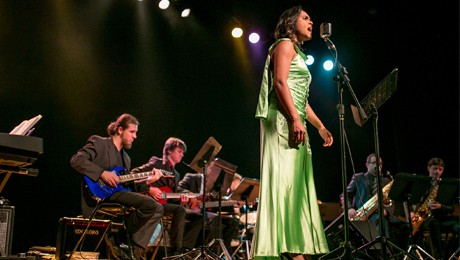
column 362, row 188
column 435, row 217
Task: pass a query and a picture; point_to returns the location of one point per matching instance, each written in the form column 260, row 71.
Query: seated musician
column 433, row 215
column 192, row 183
column 183, row 234
column 363, row 187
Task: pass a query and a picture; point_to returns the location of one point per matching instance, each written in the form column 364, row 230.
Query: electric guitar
column 100, row 190
column 215, row 204
column 168, row 194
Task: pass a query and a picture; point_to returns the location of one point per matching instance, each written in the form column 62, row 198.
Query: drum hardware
column 247, row 191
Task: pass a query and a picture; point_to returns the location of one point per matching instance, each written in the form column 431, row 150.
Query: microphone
column 325, row 30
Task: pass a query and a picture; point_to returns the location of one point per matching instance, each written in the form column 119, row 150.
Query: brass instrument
column 372, row 204
column 424, row 212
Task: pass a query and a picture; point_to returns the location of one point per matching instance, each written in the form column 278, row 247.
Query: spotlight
column 328, row 65
column 164, row 4
column 310, row 60
column 237, row 32
column 185, row 12
column 254, row 37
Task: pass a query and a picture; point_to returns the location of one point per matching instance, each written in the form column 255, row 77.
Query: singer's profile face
column 304, row 27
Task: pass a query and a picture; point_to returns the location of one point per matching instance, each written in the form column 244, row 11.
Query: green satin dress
column 288, row 217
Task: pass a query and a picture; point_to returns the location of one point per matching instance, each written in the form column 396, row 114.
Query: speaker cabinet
column 360, row 233
column 71, row 229
column 6, row 229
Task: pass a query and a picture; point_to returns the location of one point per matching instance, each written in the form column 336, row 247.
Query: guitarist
column 183, row 236
column 94, row 161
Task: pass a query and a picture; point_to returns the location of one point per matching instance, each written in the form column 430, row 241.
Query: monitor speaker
column 6, row 229
column 71, row 229
column 360, row 233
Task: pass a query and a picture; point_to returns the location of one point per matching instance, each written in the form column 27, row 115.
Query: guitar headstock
column 167, row 174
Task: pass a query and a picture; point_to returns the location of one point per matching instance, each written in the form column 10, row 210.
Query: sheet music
column 26, row 126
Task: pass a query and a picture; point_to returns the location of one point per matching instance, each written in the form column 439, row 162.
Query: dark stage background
column 80, row 64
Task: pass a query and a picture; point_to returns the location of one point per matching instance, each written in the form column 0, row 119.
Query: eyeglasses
column 374, row 162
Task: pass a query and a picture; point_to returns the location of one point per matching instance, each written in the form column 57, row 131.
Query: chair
column 160, row 237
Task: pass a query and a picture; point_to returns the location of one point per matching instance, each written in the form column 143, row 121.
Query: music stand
column 370, row 104
column 247, row 191
column 409, row 189
column 220, row 178
column 200, row 164
column 206, row 154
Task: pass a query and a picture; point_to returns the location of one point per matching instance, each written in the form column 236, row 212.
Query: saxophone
column 372, row 204
column 424, row 212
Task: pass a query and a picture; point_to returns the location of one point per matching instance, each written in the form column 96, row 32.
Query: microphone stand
column 342, row 79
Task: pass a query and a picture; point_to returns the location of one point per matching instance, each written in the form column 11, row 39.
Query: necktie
column 374, row 185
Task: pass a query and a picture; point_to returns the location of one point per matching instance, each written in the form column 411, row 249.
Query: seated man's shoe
column 139, row 253
column 115, row 250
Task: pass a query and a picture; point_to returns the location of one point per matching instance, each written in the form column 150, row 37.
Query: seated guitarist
column 95, row 161
column 183, row 236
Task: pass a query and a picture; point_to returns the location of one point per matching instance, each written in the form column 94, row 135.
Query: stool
column 160, row 236
column 110, row 211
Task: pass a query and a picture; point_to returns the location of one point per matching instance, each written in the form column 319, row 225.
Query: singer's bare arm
column 282, row 56
column 316, row 122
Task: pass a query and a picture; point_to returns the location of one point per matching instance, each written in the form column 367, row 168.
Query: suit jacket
column 191, row 183
column 99, row 154
column 157, row 163
column 359, row 190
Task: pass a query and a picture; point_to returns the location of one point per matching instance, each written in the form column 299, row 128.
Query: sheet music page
column 25, row 126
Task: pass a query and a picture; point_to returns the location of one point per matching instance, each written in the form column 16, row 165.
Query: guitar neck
column 215, row 204
column 142, row 175
column 172, row 195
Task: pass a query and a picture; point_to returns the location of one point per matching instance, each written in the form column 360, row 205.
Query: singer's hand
column 297, row 134
column 327, row 137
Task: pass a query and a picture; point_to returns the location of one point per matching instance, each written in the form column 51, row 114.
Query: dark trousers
column 185, row 228
column 229, row 229
column 141, row 223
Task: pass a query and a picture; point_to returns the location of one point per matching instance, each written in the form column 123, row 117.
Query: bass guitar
column 100, row 190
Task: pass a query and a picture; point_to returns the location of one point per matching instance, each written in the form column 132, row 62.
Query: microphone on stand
column 325, row 31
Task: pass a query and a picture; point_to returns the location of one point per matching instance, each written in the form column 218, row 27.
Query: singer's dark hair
column 286, row 23
column 122, row 121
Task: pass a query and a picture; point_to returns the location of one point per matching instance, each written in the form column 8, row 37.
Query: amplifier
column 358, row 233
column 6, row 229
column 71, row 229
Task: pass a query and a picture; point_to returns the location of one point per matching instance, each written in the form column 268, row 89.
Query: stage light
column 185, row 12
column 310, row 60
column 328, row 65
column 254, row 37
column 164, row 4
column 237, row 32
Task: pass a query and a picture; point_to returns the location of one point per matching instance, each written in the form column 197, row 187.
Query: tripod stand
column 371, row 103
column 342, row 79
column 247, row 191
column 220, row 180
column 407, row 186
